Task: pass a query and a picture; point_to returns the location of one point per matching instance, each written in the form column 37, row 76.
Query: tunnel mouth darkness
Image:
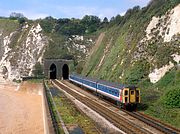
column 53, row 71
column 65, row 72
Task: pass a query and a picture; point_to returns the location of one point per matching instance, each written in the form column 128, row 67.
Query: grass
column 93, row 61
column 52, row 107
column 152, row 54
column 158, row 100
column 72, row 116
column 35, row 80
column 8, row 26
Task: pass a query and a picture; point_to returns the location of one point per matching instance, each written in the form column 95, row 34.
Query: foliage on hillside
column 62, row 35
column 162, row 99
column 119, row 62
column 38, row 70
column 115, row 59
column 68, row 27
column 8, row 25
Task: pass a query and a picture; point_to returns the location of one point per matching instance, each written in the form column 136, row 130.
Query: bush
column 138, row 72
column 38, row 70
column 172, row 98
column 47, row 24
column 21, row 20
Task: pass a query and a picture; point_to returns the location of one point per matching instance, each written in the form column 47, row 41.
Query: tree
column 18, row 16
column 91, row 23
column 21, row 20
column 47, row 24
column 38, row 69
column 112, row 19
column 105, row 20
column 15, row 15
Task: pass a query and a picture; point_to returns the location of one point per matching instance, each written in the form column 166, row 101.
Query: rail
column 155, row 123
column 116, row 119
column 163, row 127
column 52, row 123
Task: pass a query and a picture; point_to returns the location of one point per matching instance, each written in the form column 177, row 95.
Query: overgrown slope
column 21, row 46
column 142, row 48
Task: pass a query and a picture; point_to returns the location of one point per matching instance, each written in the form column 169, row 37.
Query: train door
column 137, row 95
column 132, row 96
column 126, row 95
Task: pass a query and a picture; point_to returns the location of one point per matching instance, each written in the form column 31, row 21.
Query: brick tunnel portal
column 65, row 72
column 57, row 68
column 53, row 72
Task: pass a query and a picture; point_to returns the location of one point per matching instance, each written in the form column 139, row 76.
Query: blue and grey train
column 126, row 96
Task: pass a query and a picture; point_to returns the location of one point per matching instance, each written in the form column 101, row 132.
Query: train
column 126, row 97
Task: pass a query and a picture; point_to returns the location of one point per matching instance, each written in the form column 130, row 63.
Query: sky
column 34, row 9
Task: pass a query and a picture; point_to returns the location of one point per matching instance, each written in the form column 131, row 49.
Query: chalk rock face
column 162, row 32
column 157, row 74
column 166, row 26
column 21, row 50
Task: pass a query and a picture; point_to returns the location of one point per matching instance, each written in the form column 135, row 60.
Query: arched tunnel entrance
column 53, row 71
column 65, row 72
column 4, row 72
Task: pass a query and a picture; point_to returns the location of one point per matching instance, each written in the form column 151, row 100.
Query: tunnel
column 4, row 72
column 65, row 72
column 53, row 71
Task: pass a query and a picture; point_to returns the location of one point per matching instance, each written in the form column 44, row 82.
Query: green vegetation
column 71, row 116
column 160, row 7
column 17, row 81
column 38, row 70
column 124, row 34
column 138, row 72
column 34, row 80
column 19, row 17
column 120, row 57
column 47, row 24
column 162, row 99
column 54, row 117
column 127, row 60
column 172, row 98
column 56, row 48
column 68, row 27
column 61, row 32
column 8, row 26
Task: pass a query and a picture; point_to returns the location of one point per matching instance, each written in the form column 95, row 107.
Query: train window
column 137, row 92
column 126, row 99
column 126, row 92
column 137, row 99
column 132, row 92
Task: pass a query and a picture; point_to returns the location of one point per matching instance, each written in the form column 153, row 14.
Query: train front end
column 131, row 97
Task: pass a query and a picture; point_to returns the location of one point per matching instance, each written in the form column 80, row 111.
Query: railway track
column 119, row 121
column 164, row 128
column 155, row 123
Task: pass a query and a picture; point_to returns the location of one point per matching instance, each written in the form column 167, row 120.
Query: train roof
column 83, row 77
column 107, row 83
column 112, row 84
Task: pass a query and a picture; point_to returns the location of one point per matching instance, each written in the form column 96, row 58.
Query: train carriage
column 126, row 96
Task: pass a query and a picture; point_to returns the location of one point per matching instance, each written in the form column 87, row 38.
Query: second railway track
column 119, row 121
column 155, row 123
column 162, row 127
